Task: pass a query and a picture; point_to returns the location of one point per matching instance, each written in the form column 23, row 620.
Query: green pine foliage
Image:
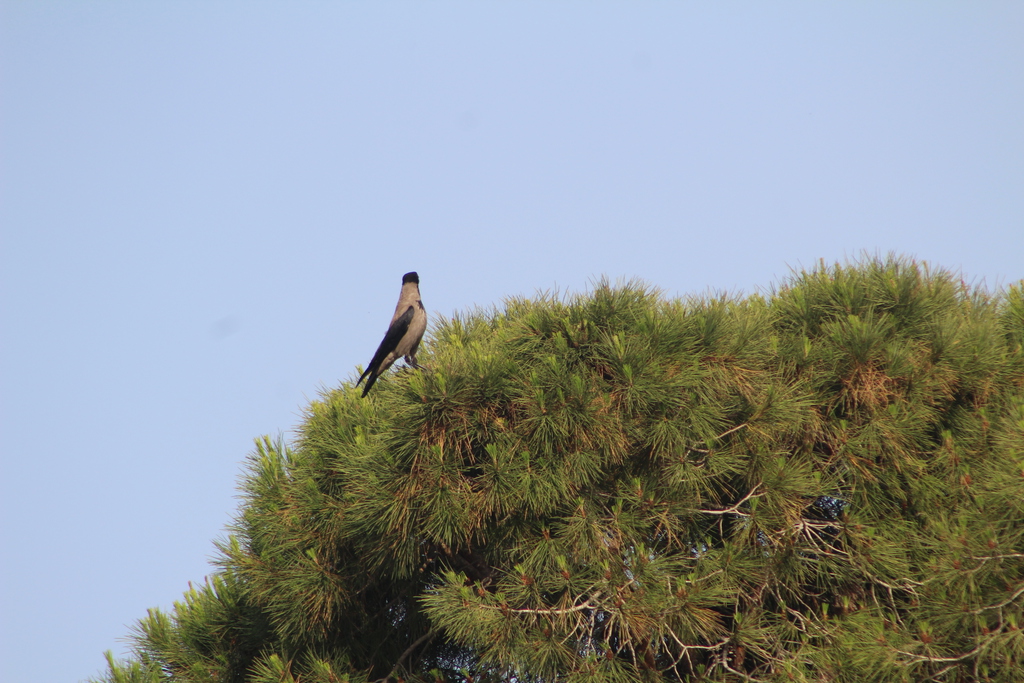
column 821, row 483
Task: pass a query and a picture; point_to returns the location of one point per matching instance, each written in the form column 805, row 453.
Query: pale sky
column 206, row 209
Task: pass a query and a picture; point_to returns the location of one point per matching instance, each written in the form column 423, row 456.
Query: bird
column 403, row 335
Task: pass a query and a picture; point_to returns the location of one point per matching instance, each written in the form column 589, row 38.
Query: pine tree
column 821, row 483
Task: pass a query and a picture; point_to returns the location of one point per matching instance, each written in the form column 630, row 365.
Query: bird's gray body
column 409, row 342
column 404, row 333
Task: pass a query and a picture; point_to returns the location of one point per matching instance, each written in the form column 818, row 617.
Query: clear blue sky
column 207, row 207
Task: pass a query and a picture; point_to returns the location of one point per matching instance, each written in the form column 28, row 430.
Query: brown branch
column 550, row 610
column 426, row 637
column 747, row 677
column 996, row 557
column 734, row 510
column 727, row 432
column 685, row 647
column 1002, row 604
column 941, row 671
column 923, row 658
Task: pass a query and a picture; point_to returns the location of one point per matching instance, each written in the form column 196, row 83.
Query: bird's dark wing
column 388, row 344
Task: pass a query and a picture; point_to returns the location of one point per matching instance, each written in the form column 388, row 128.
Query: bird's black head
column 410, row 277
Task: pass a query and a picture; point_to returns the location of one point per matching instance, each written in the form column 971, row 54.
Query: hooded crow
column 403, row 336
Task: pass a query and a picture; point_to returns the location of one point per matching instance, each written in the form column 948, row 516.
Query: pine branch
column 925, row 658
column 1001, row 604
column 549, row 610
column 734, row 510
column 727, row 432
column 426, row 637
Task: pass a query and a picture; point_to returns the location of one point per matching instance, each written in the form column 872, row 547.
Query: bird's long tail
column 371, row 379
